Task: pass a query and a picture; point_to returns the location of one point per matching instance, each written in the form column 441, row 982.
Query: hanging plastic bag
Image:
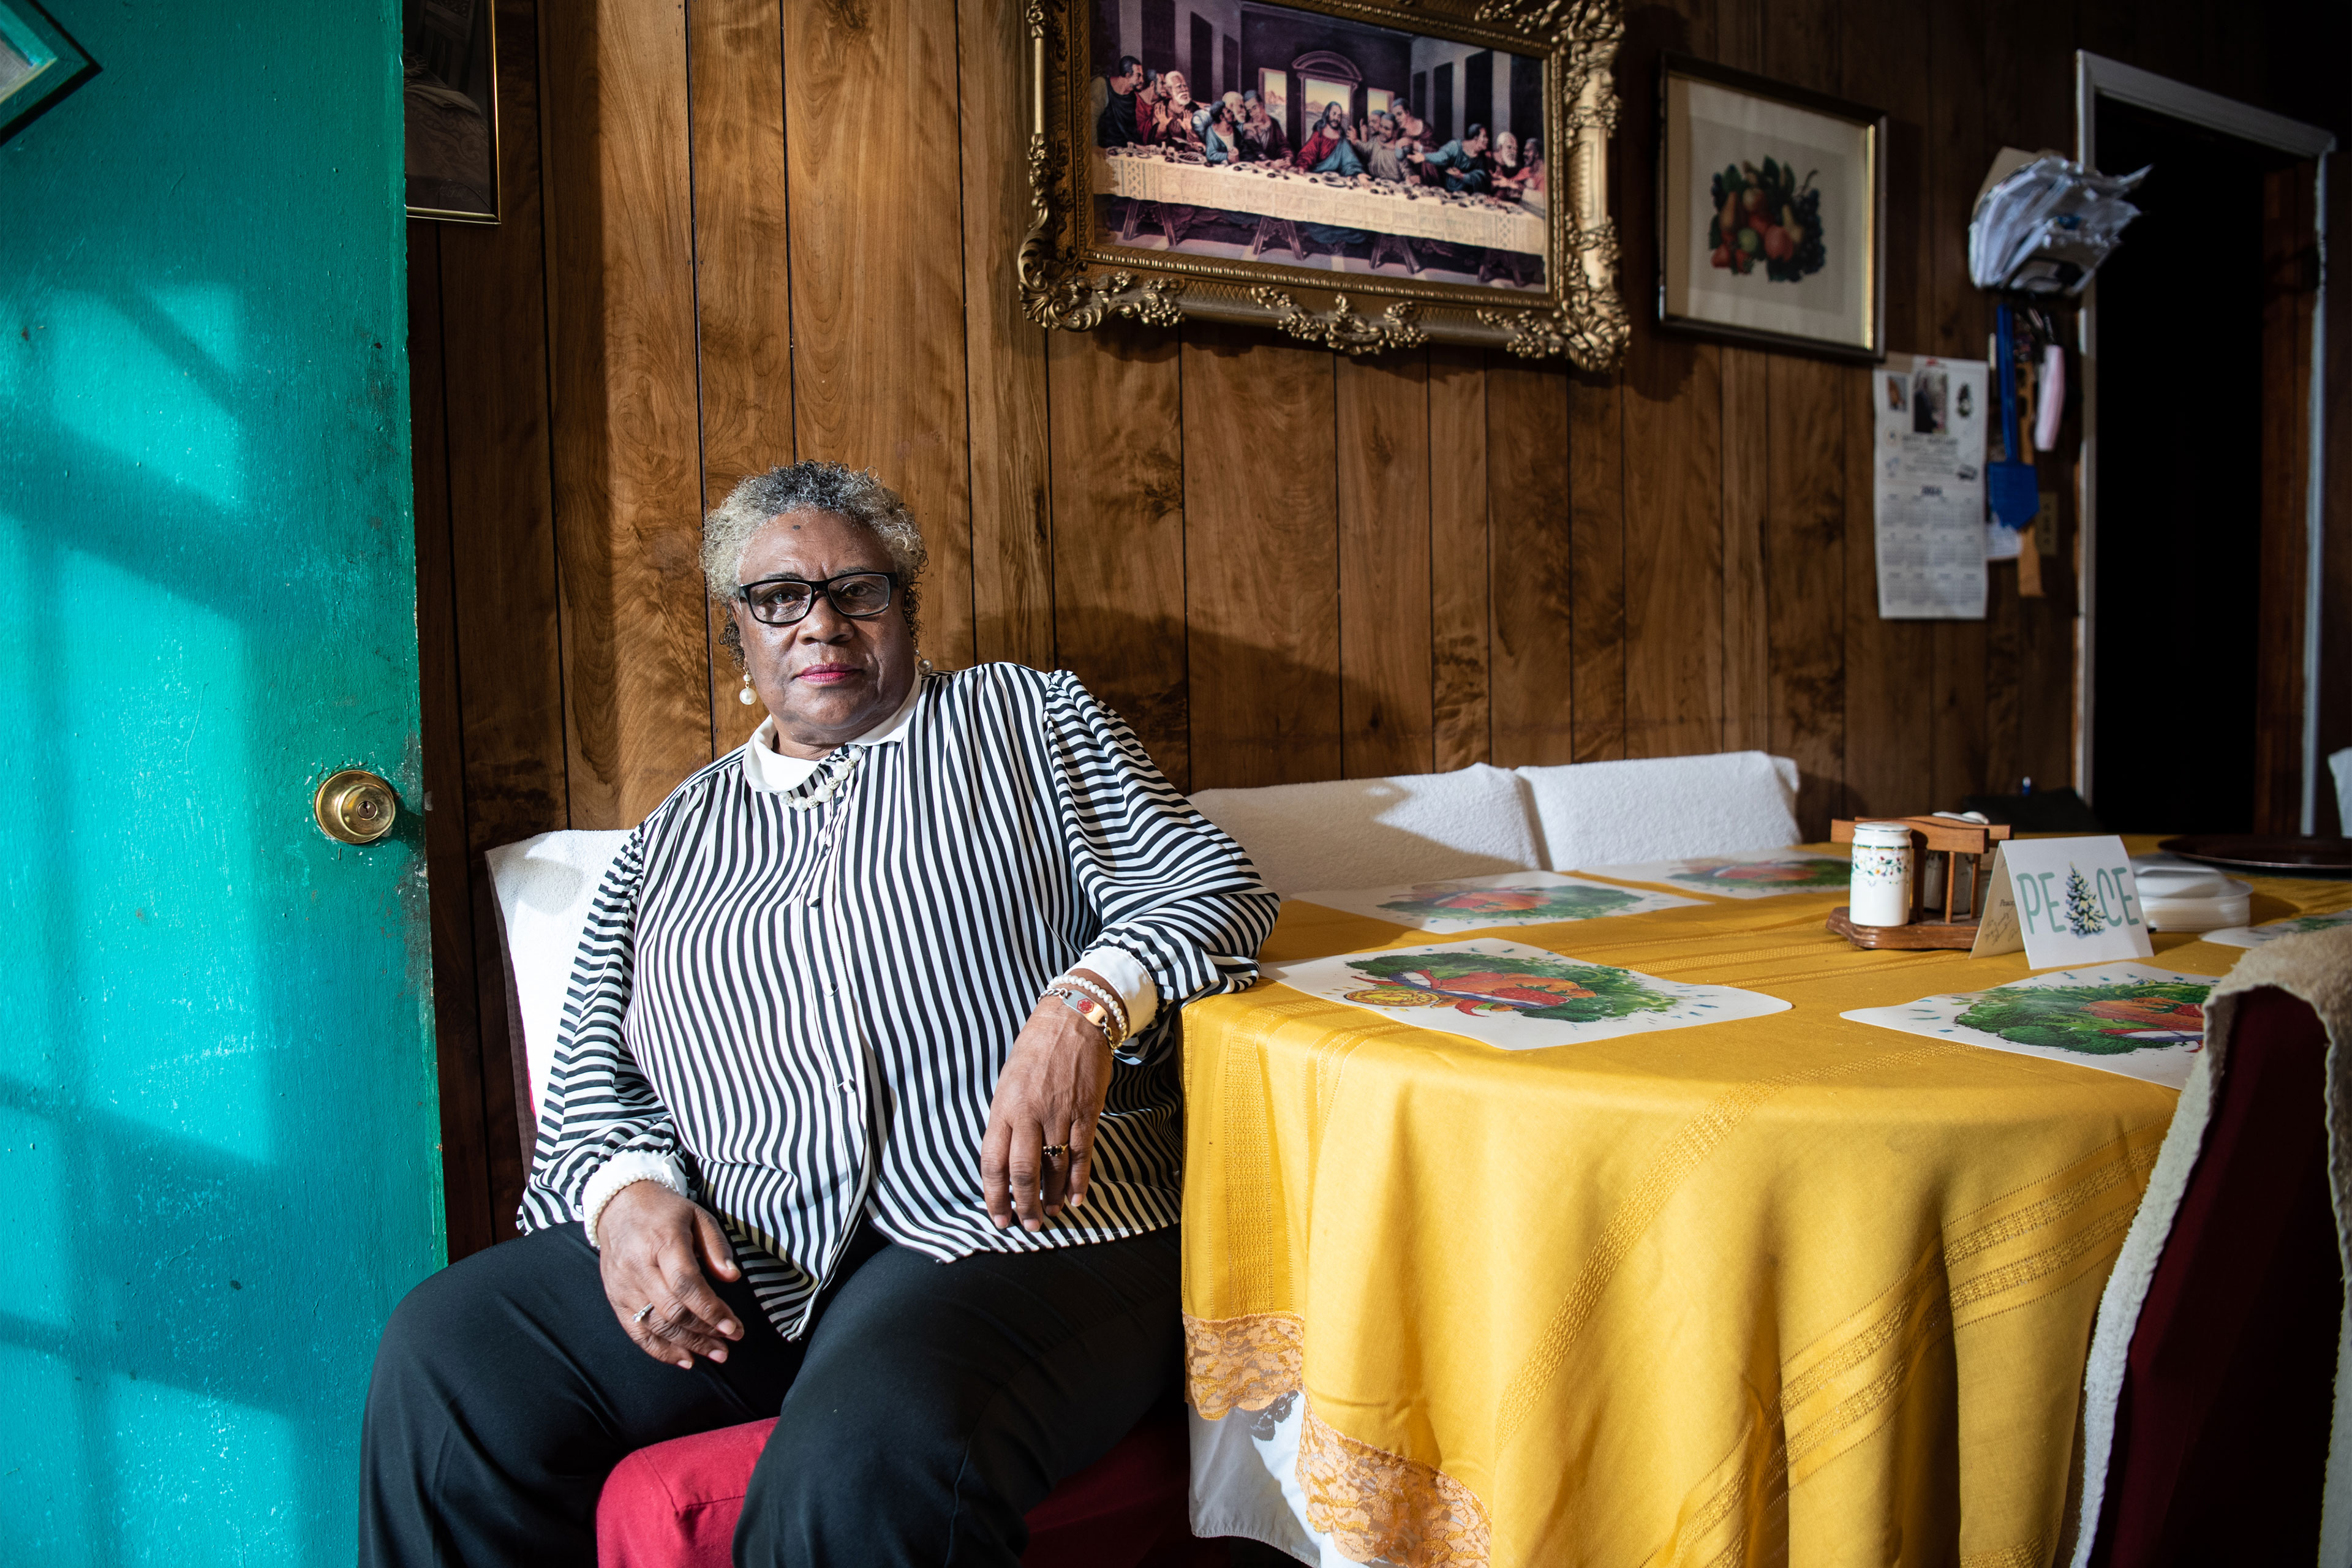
column 2045, row 227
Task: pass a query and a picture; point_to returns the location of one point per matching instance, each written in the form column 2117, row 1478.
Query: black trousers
column 929, row 1408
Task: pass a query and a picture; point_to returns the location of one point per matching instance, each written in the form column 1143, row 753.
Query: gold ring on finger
column 1055, row 1150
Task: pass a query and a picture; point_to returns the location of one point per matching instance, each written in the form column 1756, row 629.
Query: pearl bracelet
column 1107, row 997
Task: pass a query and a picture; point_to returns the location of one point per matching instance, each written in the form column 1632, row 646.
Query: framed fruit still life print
column 1364, row 175
column 1771, row 208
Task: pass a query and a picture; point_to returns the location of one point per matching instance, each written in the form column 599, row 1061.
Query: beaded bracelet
column 1107, row 997
column 1092, row 1011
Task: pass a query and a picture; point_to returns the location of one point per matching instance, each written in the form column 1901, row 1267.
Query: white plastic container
column 1881, row 894
column 2178, row 895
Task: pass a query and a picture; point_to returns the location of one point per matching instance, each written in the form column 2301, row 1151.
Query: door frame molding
column 2096, row 76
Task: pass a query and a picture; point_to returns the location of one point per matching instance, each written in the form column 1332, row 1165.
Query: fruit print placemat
column 2271, row 930
column 1515, row 997
column 2129, row 1018
column 1758, row 874
column 1481, row 903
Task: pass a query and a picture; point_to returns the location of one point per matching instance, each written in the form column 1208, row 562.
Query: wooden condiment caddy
column 1954, row 925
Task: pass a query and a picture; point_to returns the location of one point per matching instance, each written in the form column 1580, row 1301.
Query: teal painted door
column 216, row 1092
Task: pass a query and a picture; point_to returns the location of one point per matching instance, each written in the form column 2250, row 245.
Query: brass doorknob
column 355, row 806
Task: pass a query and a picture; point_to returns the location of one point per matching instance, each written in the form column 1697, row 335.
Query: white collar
column 768, row 770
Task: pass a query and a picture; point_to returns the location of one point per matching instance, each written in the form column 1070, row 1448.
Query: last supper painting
column 1245, row 132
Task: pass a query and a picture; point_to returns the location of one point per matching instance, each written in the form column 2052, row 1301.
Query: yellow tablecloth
column 1786, row 1288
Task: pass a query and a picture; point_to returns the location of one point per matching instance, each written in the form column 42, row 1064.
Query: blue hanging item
column 2009, row 485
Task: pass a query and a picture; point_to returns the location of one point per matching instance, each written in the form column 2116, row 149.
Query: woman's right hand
column 653, row 1248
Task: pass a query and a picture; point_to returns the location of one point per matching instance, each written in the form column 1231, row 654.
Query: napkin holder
column 1953, row 924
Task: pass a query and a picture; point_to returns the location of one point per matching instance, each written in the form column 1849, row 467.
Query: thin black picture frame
column 1874, row 124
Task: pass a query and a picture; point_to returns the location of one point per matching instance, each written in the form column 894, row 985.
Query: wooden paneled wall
column 741, row 232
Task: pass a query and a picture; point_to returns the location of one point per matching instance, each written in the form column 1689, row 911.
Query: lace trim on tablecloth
column 1243, row 1364
column 1372, row 1503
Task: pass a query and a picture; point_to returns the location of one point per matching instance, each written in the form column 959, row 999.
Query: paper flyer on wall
column 1515, row 997
column 1755, row 874
column 1929, row 488
column 1480, row 903
column 2129, row 1018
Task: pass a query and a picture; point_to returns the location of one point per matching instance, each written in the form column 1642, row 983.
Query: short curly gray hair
column 854, row 494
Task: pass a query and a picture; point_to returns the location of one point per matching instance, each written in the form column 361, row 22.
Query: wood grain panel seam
column 1487, row 422
column 963, row 264
column 1624, row 591
column 701, row 423
column 785, row 136
column 547, row 234
column 1184, row 560
column 1429, row 524
column 1339, row 570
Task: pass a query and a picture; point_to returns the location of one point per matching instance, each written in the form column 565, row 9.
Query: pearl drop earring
column 747, row 696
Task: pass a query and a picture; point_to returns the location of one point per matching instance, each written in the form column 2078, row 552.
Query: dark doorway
column 1444, row 119
column 1204, row 60
column 1421, row 95
column 2180, row 420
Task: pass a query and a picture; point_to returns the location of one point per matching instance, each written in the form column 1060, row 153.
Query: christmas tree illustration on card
column 2082, row 915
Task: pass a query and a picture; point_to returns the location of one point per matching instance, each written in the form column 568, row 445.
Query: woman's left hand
column 1050, row 1091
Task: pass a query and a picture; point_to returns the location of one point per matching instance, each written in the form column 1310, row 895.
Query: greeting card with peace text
column 2064, row 900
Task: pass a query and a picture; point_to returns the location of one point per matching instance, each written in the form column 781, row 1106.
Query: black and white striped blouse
column 803, row 1008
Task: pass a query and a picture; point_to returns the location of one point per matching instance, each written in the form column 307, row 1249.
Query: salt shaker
column 1882, row 875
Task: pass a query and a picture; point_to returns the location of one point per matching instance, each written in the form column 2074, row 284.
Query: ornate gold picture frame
column 1365, row 175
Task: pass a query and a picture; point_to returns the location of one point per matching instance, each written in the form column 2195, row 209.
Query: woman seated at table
column 863, row 1111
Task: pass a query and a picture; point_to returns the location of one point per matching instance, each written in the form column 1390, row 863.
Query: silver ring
column 642, row 1312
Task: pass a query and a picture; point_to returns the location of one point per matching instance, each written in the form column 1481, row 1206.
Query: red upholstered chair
column 2221, row 1432
column 674, row 1505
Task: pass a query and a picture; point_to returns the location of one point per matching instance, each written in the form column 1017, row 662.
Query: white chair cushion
column 1662, row 808
column 545, row 886
column 2340, row 764
column 1367, row 832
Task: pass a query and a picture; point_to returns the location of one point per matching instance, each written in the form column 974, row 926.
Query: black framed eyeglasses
column 783, row 601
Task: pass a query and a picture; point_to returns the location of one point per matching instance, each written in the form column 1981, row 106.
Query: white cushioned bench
column 1662, row 808
column 1480, row 820
column 1359, row 833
